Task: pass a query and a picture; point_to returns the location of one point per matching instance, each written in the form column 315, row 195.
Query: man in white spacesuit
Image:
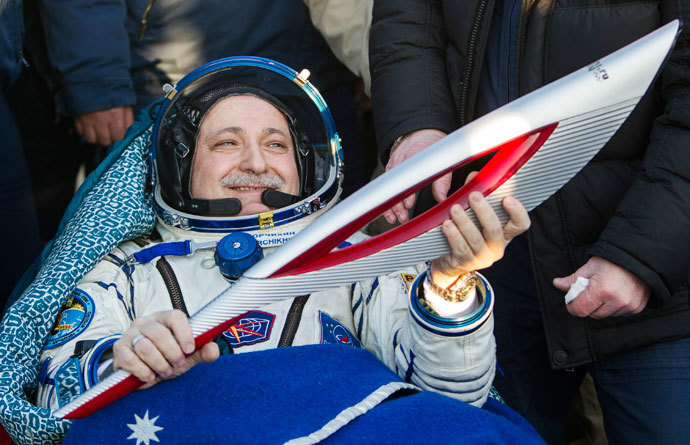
column 247, row 150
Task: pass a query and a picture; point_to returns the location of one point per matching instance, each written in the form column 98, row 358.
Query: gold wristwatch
column 458, row 290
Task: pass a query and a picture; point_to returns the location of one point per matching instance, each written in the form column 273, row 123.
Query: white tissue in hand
column 578, row 286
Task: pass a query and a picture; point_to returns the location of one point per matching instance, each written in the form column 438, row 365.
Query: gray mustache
column 243, row 179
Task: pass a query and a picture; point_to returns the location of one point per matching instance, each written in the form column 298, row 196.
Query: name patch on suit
column 254, row 327
column 74, row 318
column 333, row 332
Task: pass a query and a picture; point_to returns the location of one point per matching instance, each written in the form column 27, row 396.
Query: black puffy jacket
column 629, row 205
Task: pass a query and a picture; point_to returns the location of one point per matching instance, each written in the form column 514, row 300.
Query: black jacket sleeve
column 407, row 55
column 88, row 46
column 11, row 38
column 650, row 231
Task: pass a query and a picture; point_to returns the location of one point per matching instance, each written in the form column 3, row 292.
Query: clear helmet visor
column 317, row 148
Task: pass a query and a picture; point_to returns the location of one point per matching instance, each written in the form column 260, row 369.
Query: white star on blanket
column 145, row 429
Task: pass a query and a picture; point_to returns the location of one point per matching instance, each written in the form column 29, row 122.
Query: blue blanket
column 276, row 395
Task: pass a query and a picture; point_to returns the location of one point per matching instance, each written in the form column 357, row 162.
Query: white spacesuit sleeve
column 94, row 316
column 453, row 356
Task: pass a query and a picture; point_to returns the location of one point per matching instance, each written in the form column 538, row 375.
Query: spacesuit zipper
column 470, row 61
column 172, row 285
column 292, row 322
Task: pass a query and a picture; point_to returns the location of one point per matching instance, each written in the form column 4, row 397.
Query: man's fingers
column 390, row 216
column 167, row 336
column 401, row 213
column 519, row 220
column 153, row 356
column 622, row 311
column 206, row 354
column 103, row 136
column 178, row 323
column 492, row 231
column 151, row 383
column 624, row 307
column 397, row 213
column 129, row 117
column 440, row 187
column 461, row 252
column 604, row 311
column 585, row 304
column 159, row 343
column 473, row 248
column 468, row 230
column 89, row 133
column 470, row 176
column 79, row 126
column 595, row 301
column 564, row 283
column 642, row 303
column 408, row 202
column 125, row 358
column 84, row 124
column 410, row 145
column 116, row 129
column 154, row 347
column 104, row 127
column 121, row 120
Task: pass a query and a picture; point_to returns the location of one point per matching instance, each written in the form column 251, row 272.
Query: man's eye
column 277, row 146
column 226, row 144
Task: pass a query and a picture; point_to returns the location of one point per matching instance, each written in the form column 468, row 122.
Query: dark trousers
column 644, row 393
column 21, row 243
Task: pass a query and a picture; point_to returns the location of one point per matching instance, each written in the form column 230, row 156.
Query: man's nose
column 253, row 159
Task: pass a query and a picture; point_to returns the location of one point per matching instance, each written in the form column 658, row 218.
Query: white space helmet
column 317, row 146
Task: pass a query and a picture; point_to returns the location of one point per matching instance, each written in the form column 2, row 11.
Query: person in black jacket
column 16, row 204
column 623, row 222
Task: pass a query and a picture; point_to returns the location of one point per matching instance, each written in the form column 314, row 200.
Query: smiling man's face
column 244, row 147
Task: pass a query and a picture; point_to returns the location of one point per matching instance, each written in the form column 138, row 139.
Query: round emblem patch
column 74, row 318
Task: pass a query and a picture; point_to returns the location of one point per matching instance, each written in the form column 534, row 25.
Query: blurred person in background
column 17, row 216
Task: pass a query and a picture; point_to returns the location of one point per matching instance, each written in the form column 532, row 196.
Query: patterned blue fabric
column 111, row 206
column 71, row 385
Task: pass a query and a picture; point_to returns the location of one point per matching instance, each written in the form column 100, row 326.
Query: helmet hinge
column 266, row 220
